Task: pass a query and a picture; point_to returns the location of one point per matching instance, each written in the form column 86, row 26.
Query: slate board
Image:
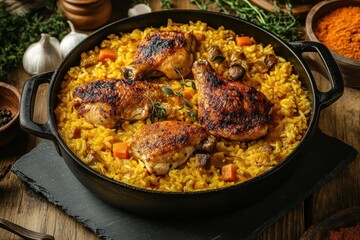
column 44, row 171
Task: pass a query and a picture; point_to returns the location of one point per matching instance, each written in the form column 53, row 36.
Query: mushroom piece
column 236, row 71
column 93, row 158
column 215, row 54
column 240, row 58
column 208, row 145
column 203, row 160
column 270, row 60
column 264, row 66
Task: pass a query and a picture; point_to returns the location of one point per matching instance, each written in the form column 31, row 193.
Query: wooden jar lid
column 86, row 14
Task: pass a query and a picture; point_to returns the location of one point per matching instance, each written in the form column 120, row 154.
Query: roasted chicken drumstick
column 229, row 109
column 165, row 145
column 107, row 103
column 168, row 53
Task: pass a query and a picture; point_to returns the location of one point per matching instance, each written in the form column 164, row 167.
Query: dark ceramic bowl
column 9, row 100
column 350, row 68
column 183, row 203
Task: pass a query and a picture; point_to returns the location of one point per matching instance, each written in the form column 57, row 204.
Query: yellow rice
column 281, row 86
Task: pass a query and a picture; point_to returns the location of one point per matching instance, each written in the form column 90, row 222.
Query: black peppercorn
column 5, row 117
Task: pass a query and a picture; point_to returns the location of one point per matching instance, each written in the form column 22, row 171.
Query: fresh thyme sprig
column 189, row 111
column 156, row 111
column 179, row 94
column 178, row 71
column 183, row 81
column 190, row 114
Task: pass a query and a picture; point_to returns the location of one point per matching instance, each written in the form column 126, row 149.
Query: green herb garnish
column 218, row 59
column 191, row 114
column 193, row 85
column 168, row 91
column 156, row 111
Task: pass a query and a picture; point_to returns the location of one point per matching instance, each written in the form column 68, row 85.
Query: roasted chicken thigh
column 168, row 53
column 165, row 145
column 109, row 102
column 229, row 109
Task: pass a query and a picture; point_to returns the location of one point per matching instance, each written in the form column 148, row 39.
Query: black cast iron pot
column 165, row 203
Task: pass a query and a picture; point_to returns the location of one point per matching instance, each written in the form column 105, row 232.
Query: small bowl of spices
column 336, row 24
column 341, row 225
column 9, row 113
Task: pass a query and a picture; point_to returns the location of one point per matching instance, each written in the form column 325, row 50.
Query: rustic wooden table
column 18, row 203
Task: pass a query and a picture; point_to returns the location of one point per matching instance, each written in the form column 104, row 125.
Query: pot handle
column 27, row 107
column 332, row 70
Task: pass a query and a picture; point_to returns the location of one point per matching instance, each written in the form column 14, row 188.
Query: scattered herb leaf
column 193, row 85
column 218, row 59
column 168, row 91
column 186, row 102
column 191, row 114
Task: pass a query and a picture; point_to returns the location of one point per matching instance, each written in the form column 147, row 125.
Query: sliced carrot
column 228, row 172
column 177, row 100
column 242, row 41
column 106, row 53
column 188, row 93
column 121, row 150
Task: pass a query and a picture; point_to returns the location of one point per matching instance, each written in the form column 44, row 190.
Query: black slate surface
column 44, row 171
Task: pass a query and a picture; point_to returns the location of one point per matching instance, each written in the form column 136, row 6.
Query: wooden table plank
column 342, row 120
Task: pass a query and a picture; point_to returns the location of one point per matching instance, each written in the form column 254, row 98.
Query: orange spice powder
column 346, row 233
column 340, row 31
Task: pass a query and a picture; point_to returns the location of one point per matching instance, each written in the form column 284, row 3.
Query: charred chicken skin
column 230, row 109
column 109, row 102
column 165, row 145
column 168, row 53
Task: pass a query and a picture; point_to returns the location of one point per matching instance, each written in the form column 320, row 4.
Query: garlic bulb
column 71, row 40
column 42, row 56
column 139, row 9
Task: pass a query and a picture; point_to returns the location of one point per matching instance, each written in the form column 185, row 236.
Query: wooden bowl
column 350, row 68
column 10, row 100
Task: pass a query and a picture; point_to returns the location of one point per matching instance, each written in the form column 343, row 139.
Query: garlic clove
column 139, row 9
column 71, row 40
column 42, row 56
